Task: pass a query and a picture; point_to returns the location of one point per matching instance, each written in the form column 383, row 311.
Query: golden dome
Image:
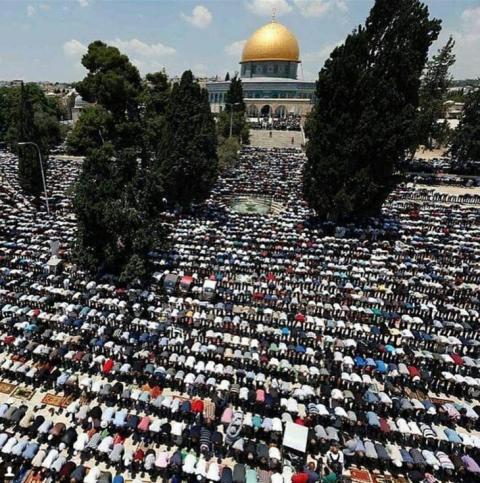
column 271, row 42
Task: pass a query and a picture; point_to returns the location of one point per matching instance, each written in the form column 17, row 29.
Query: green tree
column 30, row 116
column 94, row 126
column 118, row 222
column 240, row 129
column 112, row 81
column 190, row 163
column 235, row 113
column 433, row 94
column 466, row 138
column 364, row 118
column 5, row 109
column 153, row 100
column 228, row 153
column 234, row 96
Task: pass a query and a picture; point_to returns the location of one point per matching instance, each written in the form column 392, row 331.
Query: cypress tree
column 364, row 119
column 29, row 170
column 466, row 138
column 235, row 111
column 29, row 116
column 234, row 96
column 190, row 147
column 433, row 93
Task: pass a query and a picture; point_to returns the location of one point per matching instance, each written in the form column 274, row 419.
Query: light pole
column 30, row 143
column 231, row 104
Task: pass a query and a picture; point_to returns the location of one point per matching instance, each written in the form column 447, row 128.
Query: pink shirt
column 144, row 424
column 227, row 415
column 163, row 458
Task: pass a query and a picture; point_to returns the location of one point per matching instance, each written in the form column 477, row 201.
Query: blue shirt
column 30, row 451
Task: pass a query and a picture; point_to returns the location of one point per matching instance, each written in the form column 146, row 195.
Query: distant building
column 12, row 83
column 269, row 73
column 78, row 107
column 453, row 110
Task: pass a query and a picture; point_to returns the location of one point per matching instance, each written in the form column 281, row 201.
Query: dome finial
column 274, row 12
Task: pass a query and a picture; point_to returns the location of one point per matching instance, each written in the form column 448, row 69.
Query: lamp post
column 231, row 104
column 30, row 143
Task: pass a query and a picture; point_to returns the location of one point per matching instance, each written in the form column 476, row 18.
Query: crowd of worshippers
column 366, row 335
column 287, row 123
column 443, row 180
column 442, row 165
column 436, row 195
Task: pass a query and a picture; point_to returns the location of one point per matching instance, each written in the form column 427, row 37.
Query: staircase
column 280, row 139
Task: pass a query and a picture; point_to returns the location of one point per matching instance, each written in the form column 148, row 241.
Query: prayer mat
column 23, row 393
column 421, row 396
column 385, row 479
column 440, row 401
column 7, row 388
column 361, row 476
column 411, row 394
column 34, row 476
column 54, row 400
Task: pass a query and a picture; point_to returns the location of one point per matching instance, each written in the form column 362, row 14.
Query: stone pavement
column 280, row 139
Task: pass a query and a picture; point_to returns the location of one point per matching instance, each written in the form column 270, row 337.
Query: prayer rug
column 23, row 393
column 440, row 401
column 7, row 388
column 361, row 476
column 54, row 400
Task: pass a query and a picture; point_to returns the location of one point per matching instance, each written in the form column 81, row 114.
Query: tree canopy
column 466, row 138
column 27, row 114
column 112, row 80
column 234, row 112
column 234, row 96
column 90, row 131
column 364, row 118
column 145, row 142
column 433, row 94
column 118, row 195
column 190, row 163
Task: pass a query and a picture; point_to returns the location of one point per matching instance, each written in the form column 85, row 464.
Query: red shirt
column 300, row 478
column 139, row 455
column 414, row 372
column 108, row 365
column 197, row 406
column 457, row 359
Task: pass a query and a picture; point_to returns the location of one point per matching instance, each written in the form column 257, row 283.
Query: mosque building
column 269, row 69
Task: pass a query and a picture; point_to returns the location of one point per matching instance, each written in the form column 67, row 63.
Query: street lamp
column 30, row 143
column 231, row 114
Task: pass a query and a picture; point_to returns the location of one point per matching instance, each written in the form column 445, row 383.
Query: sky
column 45, row 39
